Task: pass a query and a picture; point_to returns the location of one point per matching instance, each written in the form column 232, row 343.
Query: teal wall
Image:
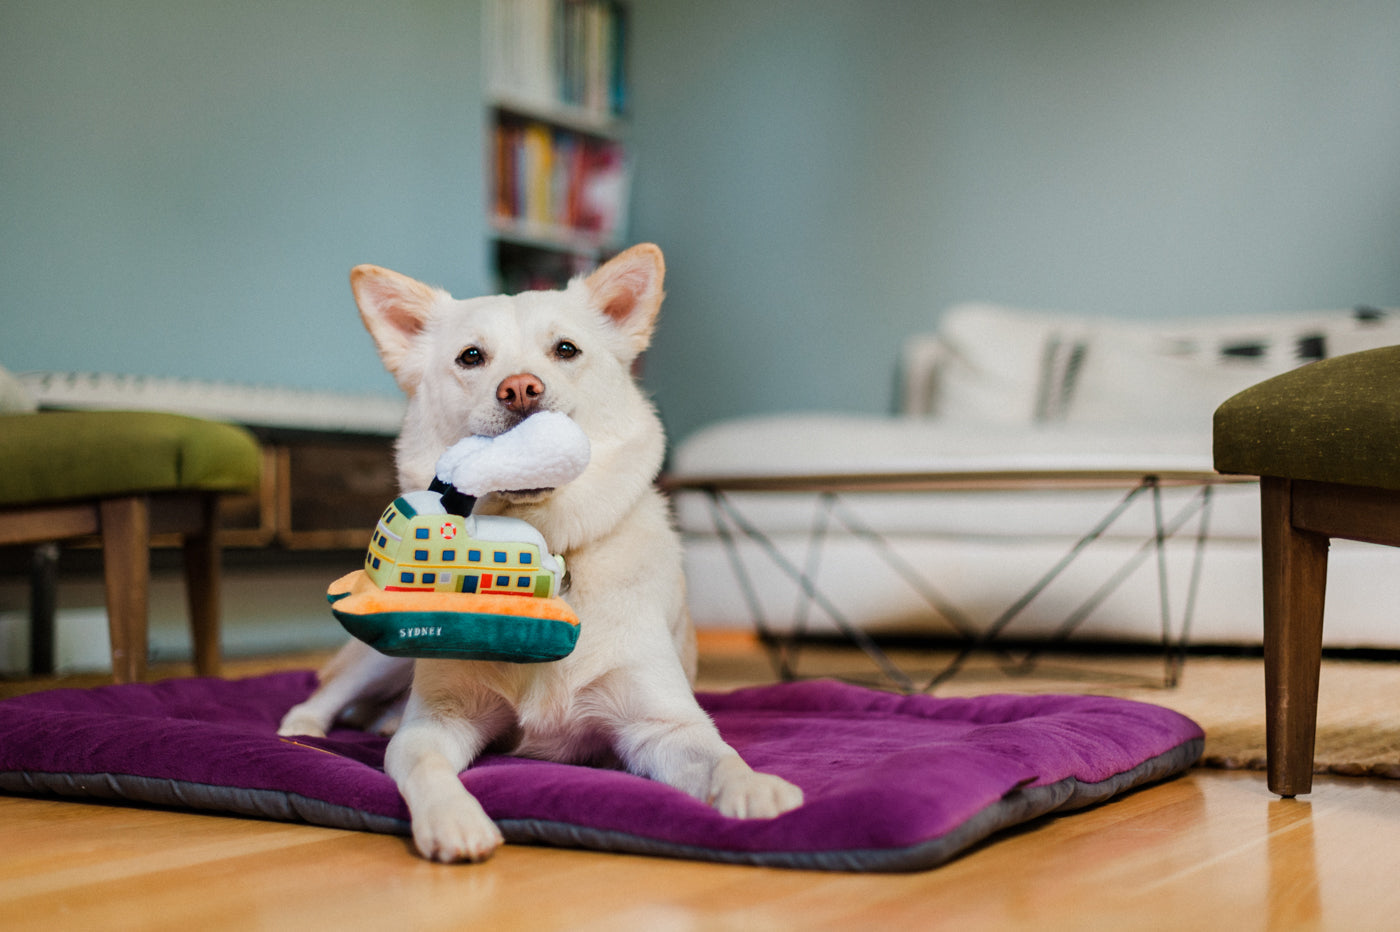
column 184, row 186
column 827, row 176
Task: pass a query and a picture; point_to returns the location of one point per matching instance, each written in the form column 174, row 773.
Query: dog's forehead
column 526, row 311
column 479, row 308
column 549, row 306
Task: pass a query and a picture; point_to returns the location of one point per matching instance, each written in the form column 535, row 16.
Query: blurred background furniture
column 1144, row 481
column 998, row 390
column 1325, row 440
column 123, row 476
column 327, row 469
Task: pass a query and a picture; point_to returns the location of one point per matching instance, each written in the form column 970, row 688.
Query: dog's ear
column 627, row 289
column 394, row 309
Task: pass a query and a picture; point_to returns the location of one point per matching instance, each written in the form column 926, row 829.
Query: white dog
column 478, row 367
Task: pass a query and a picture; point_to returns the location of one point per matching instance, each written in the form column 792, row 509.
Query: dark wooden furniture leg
column 1295, row 585
column 126, row 558
column 202, row 554
column 43, row 607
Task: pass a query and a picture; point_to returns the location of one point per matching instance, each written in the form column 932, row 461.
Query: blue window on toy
column 525, row 558
column 376, row 563
column 474, row 556
column 405, row 577
column 503, row 580
column 429, row 577
column 469, row 583
column 383, row 541
column 389, row 514
column 524, row 582
column 421, row 533
column 449, row 556
column 500, row 556
column 420, row 555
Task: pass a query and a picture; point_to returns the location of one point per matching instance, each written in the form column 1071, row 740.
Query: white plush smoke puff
column 543, row 451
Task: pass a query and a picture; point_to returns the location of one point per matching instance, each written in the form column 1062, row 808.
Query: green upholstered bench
column 1325, row 441
column 123, row 476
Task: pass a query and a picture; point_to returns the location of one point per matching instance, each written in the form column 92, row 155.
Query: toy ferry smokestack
column 456, row 502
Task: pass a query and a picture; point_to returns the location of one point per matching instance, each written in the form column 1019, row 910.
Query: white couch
column 997, row 389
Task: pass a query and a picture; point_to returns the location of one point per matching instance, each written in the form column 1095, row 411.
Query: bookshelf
column 559, row 173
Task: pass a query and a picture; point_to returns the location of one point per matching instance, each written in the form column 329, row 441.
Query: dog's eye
column 565, row 350
column 470, row 357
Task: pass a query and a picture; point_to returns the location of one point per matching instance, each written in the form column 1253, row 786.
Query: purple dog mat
column 892, row 783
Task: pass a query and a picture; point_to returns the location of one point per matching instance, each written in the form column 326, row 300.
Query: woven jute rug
column 1358, row 714
column 1358, row 720
column 1358, row 709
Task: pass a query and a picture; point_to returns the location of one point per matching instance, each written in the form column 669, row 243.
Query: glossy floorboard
column 1210, row 850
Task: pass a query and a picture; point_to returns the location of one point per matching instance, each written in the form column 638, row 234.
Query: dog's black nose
column 521, row 393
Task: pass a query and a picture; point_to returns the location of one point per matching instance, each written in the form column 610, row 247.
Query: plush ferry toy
column 439, row 581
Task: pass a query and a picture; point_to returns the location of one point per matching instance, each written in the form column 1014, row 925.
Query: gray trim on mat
column 278, row 805
column 1016, row 808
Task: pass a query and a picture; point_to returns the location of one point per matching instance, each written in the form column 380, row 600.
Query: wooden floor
column 1212, row 849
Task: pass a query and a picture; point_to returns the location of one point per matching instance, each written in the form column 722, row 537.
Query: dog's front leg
column 357, row 672
column 439, row 737
column 676, row 743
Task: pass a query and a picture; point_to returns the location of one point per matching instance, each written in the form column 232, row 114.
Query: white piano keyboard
column 254, row 405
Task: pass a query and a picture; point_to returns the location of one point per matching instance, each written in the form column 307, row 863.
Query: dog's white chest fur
column 559, row 723
column 552, row 711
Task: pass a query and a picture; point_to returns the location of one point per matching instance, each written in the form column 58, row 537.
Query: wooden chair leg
column 126, row 558
column 43, row 607
column 202, row 587
column 1295, row 585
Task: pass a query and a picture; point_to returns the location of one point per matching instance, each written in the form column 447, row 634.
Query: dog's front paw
column 740, row 792
column 301, row 721
column 456, row 830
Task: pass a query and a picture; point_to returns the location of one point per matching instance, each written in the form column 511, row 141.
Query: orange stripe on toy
column 356, row 593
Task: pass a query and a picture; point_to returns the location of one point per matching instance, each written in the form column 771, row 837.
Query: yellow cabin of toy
column 419, row 546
